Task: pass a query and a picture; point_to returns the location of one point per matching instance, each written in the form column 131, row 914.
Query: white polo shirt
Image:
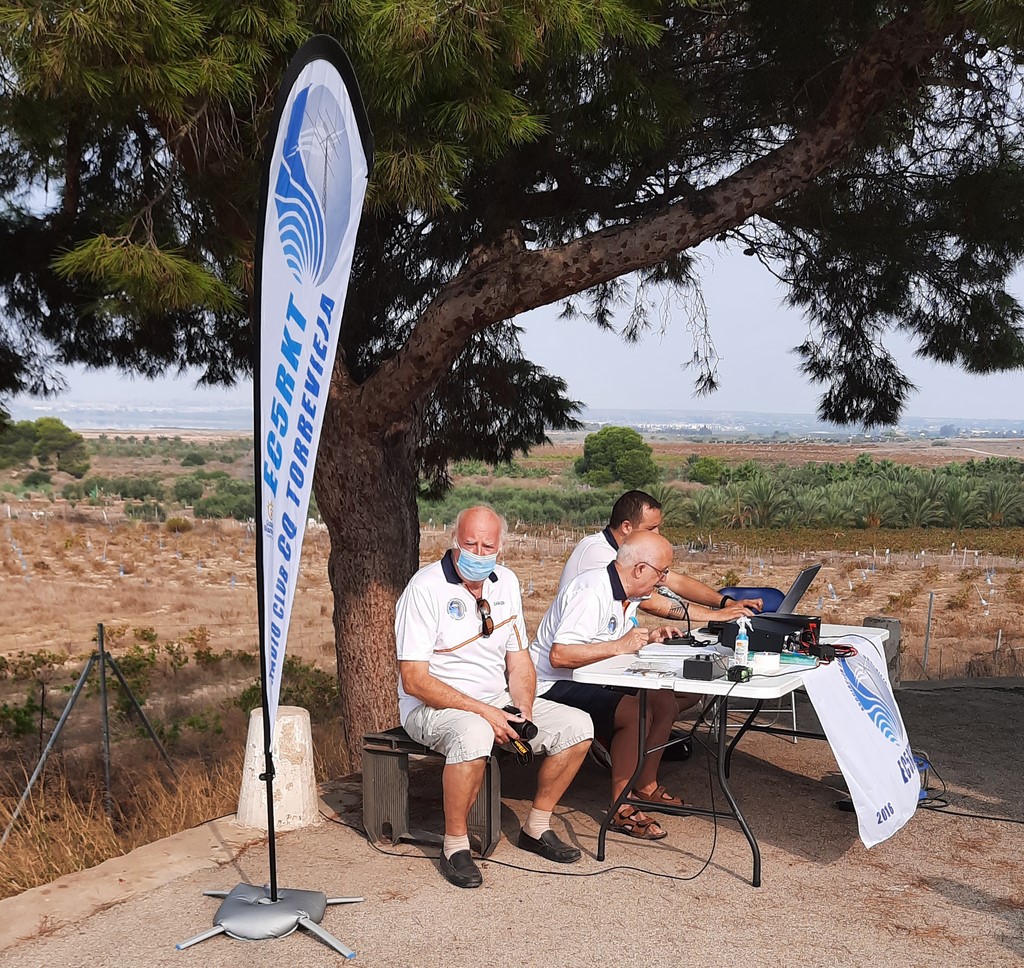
column 592, row 608
column 436, row 621
column 594, row 551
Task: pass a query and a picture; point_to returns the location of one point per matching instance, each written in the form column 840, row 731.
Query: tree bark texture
column 366, row 492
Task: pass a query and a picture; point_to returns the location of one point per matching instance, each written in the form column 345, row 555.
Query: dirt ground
column 945, row 890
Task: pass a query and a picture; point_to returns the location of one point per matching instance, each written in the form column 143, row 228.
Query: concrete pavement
column 945, row 890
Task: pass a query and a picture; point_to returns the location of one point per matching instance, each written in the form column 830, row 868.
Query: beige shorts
column 463, row 736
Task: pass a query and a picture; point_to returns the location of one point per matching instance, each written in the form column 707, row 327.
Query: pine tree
column 868, row 154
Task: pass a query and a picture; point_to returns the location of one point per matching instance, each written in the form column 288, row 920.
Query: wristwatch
column 725, row 598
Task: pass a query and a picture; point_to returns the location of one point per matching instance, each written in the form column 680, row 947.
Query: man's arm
column 665, row 607
column 431, row 691
column 696, row 591
column 522, row 681
column 572, row 656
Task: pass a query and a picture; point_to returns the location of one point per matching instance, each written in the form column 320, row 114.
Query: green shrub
column 193, row 459
column 20, row 719
column 302, row 684
column 188, row 490
column 145, row 510
column 37, row 478
column 230, row 499
column 617, row 454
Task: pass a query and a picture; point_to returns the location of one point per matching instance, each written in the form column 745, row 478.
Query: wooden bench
column 386, row 793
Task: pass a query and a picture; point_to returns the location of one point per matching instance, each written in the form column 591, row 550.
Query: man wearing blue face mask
column 463, row 654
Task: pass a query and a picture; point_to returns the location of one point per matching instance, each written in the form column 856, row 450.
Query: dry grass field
column 180, row 608
column 61, row 578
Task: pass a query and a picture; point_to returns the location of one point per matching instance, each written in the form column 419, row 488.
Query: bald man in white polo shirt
column 593, row 618
column 460, row 633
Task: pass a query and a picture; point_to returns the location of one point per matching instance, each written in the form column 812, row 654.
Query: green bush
column 17, row 442
column 193, row 459
column 37, row 478
column 706, row 470
column 188, row 490
column 302, row 684
column 617, row 454
column 230, row 499
column 144, row 510
column 137, row 665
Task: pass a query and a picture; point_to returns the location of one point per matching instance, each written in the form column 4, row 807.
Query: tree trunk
column 366, row 491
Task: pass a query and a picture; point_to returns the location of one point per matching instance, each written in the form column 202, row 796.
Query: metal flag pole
column 318, row 154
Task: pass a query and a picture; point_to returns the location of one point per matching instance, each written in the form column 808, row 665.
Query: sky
column 753, row 332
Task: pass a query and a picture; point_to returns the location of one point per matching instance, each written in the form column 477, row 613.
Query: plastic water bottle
column 741, row 650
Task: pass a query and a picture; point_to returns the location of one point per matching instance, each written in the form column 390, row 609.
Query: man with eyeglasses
column 639, row 511
column 593, row 618
column 463, row 654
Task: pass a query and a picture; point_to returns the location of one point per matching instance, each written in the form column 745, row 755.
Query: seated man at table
column 460, row 631
column 638, row 511
column 593, row 618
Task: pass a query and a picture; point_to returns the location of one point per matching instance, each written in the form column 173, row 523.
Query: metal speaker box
column 706, row 667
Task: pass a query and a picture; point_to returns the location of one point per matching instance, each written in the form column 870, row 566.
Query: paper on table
column 653, row 667
column 665, row 650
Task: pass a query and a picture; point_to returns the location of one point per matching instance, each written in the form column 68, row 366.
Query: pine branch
column 505, row 281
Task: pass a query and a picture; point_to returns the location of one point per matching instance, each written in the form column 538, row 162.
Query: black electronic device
column 687, row 639
column 774, row 632
column 740, row 674
column 526, row 730
column 706, row 667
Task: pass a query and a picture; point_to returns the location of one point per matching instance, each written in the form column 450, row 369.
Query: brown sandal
column 632, row 823
column 658, row 795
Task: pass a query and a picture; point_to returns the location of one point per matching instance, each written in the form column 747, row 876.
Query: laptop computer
column 797, row 590
column 789, row 603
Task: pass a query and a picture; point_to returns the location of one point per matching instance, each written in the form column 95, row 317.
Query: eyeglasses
column 664, row 571
column 486, row 622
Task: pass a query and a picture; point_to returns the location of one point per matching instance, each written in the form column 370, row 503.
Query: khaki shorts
column 462, row 736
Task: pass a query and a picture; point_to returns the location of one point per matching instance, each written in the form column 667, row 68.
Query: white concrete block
column 296, row 803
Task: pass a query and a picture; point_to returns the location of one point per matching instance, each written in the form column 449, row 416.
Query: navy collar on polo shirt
column 451, row 575
column 617, row 590
column 610, row 538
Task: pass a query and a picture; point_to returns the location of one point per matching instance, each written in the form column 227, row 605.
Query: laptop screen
column 796, row 592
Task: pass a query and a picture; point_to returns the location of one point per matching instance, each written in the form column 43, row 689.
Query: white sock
column 537, row 822
column 452, row 845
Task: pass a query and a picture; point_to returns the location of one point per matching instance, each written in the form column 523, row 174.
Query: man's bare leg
column 555, row 775
column 461, row 784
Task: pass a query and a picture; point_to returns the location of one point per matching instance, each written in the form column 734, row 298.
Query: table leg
column 723, row 782
column 641, row 752
column 739, row 735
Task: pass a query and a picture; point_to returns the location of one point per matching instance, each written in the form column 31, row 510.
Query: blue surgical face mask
column 475, row 567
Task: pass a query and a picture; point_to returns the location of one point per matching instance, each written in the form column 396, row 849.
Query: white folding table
column 612, row 672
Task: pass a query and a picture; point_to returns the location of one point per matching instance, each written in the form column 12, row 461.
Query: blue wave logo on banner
column 873, row 696
column 314, row 185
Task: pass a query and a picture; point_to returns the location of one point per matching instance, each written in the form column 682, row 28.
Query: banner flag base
column 248, row 914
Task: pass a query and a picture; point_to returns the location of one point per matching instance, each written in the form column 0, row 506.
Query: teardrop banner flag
column 318, row 158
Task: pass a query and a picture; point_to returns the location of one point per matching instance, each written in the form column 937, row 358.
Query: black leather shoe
column 460, row 870
column 549, row 847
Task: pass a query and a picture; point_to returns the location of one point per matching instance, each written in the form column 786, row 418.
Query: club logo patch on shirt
column 612, row 624
column 456, row 609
